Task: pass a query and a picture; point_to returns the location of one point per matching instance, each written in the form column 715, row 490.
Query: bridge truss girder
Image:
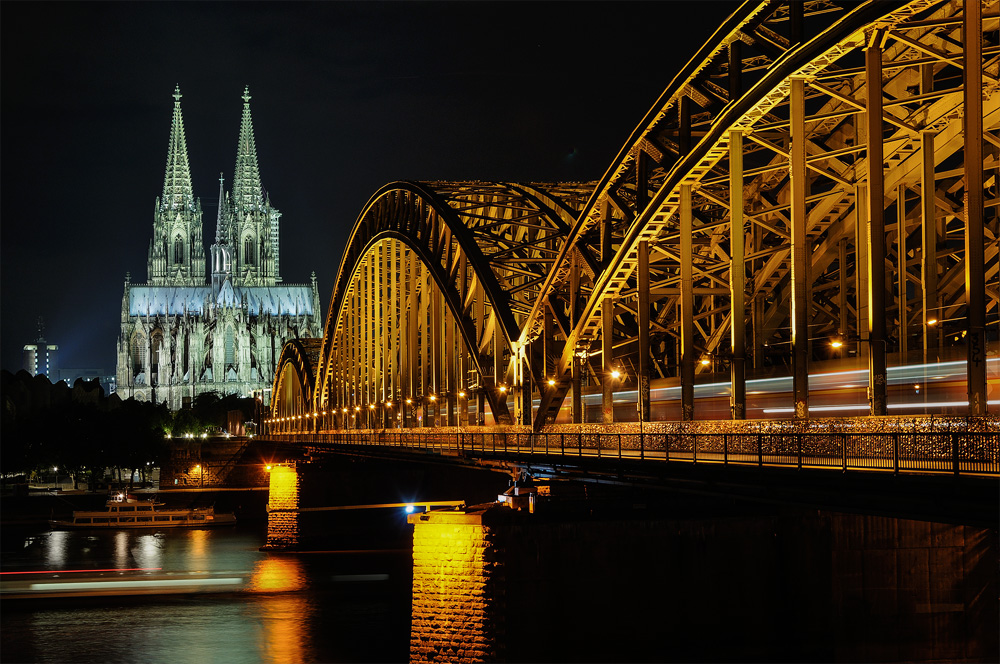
column 775, row 106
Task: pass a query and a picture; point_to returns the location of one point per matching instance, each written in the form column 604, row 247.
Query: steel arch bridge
column 739, row 229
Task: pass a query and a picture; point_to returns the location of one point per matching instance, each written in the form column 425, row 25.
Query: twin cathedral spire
column 245, row 251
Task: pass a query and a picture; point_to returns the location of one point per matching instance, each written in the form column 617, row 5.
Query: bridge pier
column 282, row 505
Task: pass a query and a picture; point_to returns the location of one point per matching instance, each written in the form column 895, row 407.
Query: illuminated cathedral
column 219, row 324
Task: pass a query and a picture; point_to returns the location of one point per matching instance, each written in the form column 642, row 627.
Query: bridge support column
column 737, row 277
column 576, row 370
column 644, row 323
column 451, row 554
column 687, row 307
column 876, row 232
column 282, row 506
column 607, row 358
column 800, row 254
column 522, row 394
column 975, row 275
column 928, row 220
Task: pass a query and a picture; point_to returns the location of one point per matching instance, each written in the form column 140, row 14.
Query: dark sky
column 346, row 98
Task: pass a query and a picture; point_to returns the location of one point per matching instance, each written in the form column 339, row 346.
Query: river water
column 338, row 606
column 742, row 586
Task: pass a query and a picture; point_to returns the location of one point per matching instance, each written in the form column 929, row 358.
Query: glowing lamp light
column 552, row 382
column 433, row 398
column 836, row 343
column 503, row 389
column 705, row 361
column 409, row 401
column 461, row 395
column 388, row 404
column 357, row 409
column 267, row 467
column 371, row 406
column 345, row 410
column 932, row 321
column 409, row 509
column 615, row 374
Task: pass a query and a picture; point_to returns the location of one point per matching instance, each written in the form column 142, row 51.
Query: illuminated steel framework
column 741, row 221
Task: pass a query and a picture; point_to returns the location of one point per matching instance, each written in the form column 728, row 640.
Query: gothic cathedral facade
column 188, row 330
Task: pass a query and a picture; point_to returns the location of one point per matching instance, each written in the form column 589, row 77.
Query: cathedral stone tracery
column 181, row 334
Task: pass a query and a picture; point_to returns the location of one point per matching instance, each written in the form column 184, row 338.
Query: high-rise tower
column 176, row 252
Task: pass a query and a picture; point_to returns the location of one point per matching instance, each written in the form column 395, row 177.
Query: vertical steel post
column 901, row 272
column 842, row 290
column 975, row 275
column 800, row 254
column 425, row 342
column 876, row 231
column 499, row 370
column 737, row 278
column 644, row 323
column 436, row 341
column 687, row 307
column 861, row 269
column 451, row 365
column 607, row 358
column 929, row 271
column 574, row 290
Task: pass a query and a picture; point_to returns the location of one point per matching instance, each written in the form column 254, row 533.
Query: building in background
column 107, row 380
column 194, row 327
column 41, row 357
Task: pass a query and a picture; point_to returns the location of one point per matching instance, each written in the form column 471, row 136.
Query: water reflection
column 277, row 574
column 55, row 548
column 122, row 549
column 148, row 551
column 284, row 610
column 283, row 635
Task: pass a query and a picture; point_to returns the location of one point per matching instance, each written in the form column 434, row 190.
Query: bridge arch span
column 435, row 282
column 294, row 384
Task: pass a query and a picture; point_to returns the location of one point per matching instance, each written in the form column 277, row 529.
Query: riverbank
column 36, row 508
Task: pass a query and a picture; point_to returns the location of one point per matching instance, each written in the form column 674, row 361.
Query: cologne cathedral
column 195, row 327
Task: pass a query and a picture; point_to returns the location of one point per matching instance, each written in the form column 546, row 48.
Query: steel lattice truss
column 541, row 288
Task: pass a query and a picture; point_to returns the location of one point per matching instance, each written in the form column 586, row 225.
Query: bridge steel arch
column 739, row 228
column 293, row 387
column 743, row 205
column 431, row 293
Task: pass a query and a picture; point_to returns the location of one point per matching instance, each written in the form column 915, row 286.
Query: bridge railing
column 945, row 452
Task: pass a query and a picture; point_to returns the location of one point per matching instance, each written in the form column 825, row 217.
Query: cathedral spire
column 177, row 190
column 247, row 190
column 220, row 220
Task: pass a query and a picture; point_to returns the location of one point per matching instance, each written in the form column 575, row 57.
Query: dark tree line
column 83, row 433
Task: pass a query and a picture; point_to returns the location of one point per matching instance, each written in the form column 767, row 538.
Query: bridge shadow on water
column 611, row 573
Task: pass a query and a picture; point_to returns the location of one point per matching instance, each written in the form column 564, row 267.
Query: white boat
column 122, row 512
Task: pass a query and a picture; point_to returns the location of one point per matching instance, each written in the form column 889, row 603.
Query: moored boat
column 122, row 512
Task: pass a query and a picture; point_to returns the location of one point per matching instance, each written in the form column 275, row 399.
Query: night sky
column 346, row 98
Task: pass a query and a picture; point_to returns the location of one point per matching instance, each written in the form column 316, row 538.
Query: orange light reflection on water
column 277, row 574
column 284, row 618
